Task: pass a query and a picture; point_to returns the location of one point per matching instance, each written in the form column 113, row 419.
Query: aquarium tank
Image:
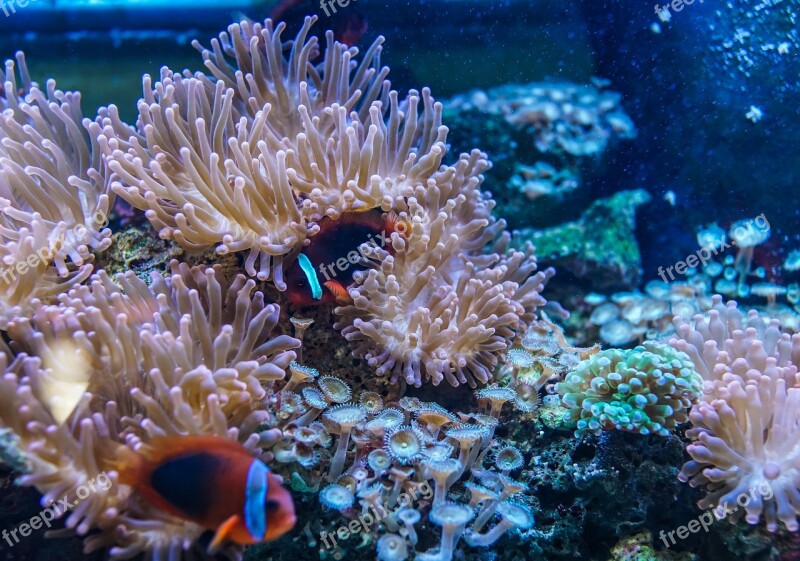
column 388, row 280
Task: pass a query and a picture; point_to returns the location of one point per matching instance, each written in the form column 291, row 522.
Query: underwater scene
column 378, row 280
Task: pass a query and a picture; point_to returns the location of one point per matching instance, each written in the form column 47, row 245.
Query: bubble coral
column 644, row 390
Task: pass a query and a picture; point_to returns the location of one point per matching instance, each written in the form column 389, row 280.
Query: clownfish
column 213, row 482
column 324, row 269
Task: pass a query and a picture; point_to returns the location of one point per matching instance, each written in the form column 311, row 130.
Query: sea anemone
column 386, row 420
column 747, row 237
column 316, row 401
column 336, row 497
column 444, row 473
column 496, row 398
column 526, row 397
column 508, row 458
column 392, row 547
column 335, row 389
column 404, row 444
column 379, row 460
column 371, row 401
column 345, row 417
column 189, row 354
column 434, row 418
column 469, row 438
column 452, row 518
column 604, row 313
column 409, row 516
column 299, row 374
column 618, row 332
column 512, row 516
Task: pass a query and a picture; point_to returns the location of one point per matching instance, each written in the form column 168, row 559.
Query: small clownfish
column 213, row 482
column 323, row 271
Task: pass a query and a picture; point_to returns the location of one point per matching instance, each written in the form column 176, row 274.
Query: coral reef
column 645, row 390
column 561, row 118
column 542, row 138
column 239, row 169
column 321, row 141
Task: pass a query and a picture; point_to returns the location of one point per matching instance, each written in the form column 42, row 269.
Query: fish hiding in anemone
column 213, row 482
column 324, row 269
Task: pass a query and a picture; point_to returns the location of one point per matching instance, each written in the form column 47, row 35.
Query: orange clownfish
column 324, row 269
column 213, row 482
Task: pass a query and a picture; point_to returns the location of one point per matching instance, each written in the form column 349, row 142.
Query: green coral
column 600, row 245
column 646, row 390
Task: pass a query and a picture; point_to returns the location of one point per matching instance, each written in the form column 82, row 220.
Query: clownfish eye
column 271, row 506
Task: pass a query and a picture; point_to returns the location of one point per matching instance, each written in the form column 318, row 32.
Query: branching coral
column 747, row 425
column 191, row 355
column 54, row 195
column 645, row 390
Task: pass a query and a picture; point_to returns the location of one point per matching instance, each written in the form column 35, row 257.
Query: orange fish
column 213, row 482
column 324, row 269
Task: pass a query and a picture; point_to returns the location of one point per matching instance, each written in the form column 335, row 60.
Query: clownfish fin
column 223, row 532
column 339, row 292
column 128, row 465
column 395, row 224
column 370, row 218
